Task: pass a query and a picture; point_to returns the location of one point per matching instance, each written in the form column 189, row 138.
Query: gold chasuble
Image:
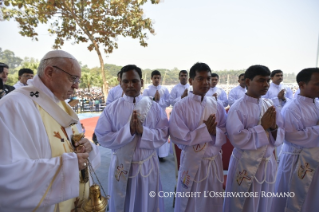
column 60, row 144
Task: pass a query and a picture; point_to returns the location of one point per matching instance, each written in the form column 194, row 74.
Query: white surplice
column 114, row 94
column 245, row 133
column 301, row 117
column 113, row 131
column 273, row 91
column 185, row 131
column 164, row 102
column 26, row 165
column 221, row 95
column 235, row 94
column 177, row 92
column 18, row 85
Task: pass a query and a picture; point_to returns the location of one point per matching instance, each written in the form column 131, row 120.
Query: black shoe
column 161, row 159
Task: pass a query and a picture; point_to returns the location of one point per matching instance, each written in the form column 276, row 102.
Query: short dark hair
column 129, row 68
column 305, row 74
column 274, row 72
column 25, row 70
column 240, row 75
column 255, row 70
column 155, row 72
column 182, row 71
column 118, row 73
column 214, row 75
column 199, row 67
column 2, row 66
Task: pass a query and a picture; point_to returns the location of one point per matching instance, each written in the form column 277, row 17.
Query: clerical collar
column 242, row 88
column 197, row 98
column 305, row 99
column 131, row 99
column 251, row 99
column 276, row 86
column 37, row 82
column 156, row 87
column 183, row 85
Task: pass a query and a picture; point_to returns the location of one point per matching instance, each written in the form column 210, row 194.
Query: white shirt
column 273, row 93
column 177, row 92
column 19, row 85
column 114, row 94
column 164, row 94
column 221, row 95
column 235, row 94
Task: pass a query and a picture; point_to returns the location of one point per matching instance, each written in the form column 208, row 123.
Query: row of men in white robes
column 135, row 126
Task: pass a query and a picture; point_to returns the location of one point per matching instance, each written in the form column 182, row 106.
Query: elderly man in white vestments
column 115, row 92
column 39, row 166
column 254, row 127
column 180, row 90
column 133, row 127
column 160, row 94
column 197, row 126
column 299, row 160
column 237, row 92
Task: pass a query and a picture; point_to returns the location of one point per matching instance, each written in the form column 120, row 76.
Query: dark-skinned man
column 299, row 162
column 180, row 90
column 133, row 126
column 197, row 126
column 237, row 92
column 254, row 127
column 160, row 95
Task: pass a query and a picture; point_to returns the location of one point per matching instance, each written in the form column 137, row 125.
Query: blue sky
column 225, row 34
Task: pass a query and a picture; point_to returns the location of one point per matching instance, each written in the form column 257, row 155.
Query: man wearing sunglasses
column 42, row 170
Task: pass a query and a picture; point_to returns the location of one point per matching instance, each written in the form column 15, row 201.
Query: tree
column 87, row 80
column 10, row 59
column 30, row 63
column 98, row 22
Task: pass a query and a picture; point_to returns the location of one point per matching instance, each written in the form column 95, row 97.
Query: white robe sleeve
column 155, row 130
column 220, row 138
column 110, row 96
column 26, row 166
column 231, row 97
column 173, row 98
column 164, row 100
column 181, row 134
column 145, row 92
column 107, row 135
column 242, row 138
column 223, row 98
column 297, row 133
column 289, row 94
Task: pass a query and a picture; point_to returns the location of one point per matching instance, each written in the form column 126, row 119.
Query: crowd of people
column 275, row 136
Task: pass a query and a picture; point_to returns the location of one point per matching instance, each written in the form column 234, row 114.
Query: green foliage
column 8, row 57
column 96, row 22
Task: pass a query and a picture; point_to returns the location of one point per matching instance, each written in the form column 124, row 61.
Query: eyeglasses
column 27, row 75
column 75, row 79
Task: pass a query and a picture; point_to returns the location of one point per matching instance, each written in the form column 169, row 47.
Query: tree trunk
column 105, row 84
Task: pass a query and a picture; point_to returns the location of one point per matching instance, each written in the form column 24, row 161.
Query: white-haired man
column 39, row 168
